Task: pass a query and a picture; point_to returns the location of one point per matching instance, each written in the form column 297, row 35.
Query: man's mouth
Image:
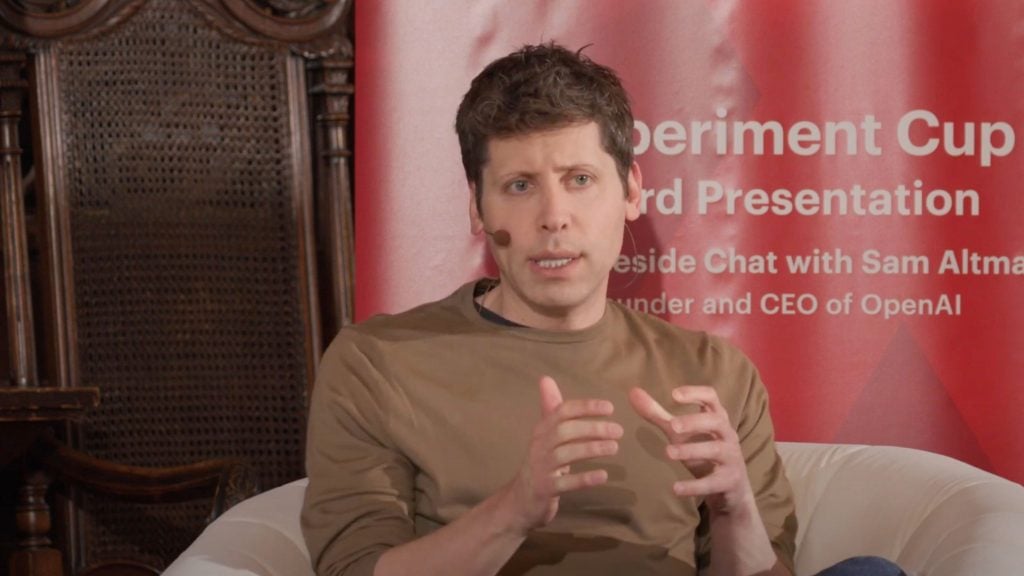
column 552, row 263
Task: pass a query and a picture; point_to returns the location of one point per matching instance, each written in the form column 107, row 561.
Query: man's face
column 560, row 197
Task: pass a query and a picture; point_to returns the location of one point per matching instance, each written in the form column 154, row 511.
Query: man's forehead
column 564, row 145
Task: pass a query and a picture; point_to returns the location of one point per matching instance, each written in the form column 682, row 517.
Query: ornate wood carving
column 295, row 8
column 313, row 31
column 45, row 6
column 45, row 404
column 20, row 329
column 25, row 413
column 311, row 36
column 310, row 27
column 29, row 23
column 35, row 554
column 61, row 355
column 237, row 483
column 331, row 91
column 227, row 480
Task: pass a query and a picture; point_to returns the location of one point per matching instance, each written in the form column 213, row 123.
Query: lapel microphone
column 501, row 237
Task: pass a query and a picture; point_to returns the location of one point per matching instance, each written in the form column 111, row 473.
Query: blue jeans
column 863, row 566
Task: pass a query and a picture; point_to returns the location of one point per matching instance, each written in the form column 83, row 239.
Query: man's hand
column 484, row 538
column 567, row 432
column 706, row 443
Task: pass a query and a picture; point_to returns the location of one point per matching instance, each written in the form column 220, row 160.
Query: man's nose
column 555, row 213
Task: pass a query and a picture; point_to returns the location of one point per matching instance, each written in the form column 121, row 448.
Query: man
column 529, row 425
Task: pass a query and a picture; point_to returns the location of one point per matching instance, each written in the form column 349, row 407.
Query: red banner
column 836, row 187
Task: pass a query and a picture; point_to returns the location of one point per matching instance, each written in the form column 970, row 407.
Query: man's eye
column 581, row 179
column 519, row 186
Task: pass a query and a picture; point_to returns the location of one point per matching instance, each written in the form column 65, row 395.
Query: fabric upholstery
column 933, row 515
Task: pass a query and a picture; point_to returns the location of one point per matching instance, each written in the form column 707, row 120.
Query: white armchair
column 931, row 514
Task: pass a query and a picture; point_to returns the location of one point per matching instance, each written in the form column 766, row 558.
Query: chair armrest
column 226, row 481
column 931, row 514
column 259, row 537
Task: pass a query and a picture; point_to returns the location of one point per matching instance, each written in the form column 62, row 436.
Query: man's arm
column 481, row 541
column 707, row 444
column 371, row 512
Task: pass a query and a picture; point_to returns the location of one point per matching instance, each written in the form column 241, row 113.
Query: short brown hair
column 540, row 88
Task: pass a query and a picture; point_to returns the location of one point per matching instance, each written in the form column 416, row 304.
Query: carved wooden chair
column 183, row 209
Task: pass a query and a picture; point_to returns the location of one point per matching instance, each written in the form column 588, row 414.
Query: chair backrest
column 181, row 151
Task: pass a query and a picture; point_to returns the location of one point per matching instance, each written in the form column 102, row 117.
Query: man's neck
column 500, row 302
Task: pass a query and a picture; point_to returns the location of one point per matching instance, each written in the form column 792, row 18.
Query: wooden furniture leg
column 35, row 556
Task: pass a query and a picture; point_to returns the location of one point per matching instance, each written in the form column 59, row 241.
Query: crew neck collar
column 466, row 297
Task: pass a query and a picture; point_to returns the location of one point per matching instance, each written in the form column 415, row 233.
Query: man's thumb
column 550, row 395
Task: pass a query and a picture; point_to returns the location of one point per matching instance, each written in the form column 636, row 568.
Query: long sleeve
column 746, row 400
column 360, row 495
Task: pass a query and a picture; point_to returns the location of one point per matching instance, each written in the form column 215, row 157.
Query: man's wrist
column 507, row 512
column 743, row 543
column 742, row 510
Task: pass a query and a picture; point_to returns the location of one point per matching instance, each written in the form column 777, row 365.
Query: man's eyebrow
column 577, row 166
column 515, row 174
column 561, row 169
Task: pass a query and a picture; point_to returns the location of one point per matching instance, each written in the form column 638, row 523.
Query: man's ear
column 476, row 223
column 633, row 192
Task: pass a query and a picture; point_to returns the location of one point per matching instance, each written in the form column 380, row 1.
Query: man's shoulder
column 428, row 316
column 444, row 316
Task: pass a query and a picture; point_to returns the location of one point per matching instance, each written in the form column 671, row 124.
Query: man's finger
column 719, row 481
column 550, row 395
column 577, row 430
column 651, row 410
column 697, row 452
column 570, row 482
column 584, row 408
column 704, row 396
column 576, row 452
column 700, row 425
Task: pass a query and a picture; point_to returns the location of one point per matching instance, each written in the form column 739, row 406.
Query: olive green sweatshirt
column 418, row 417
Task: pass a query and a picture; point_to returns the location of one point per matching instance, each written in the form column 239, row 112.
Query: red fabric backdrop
column 880, row 358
